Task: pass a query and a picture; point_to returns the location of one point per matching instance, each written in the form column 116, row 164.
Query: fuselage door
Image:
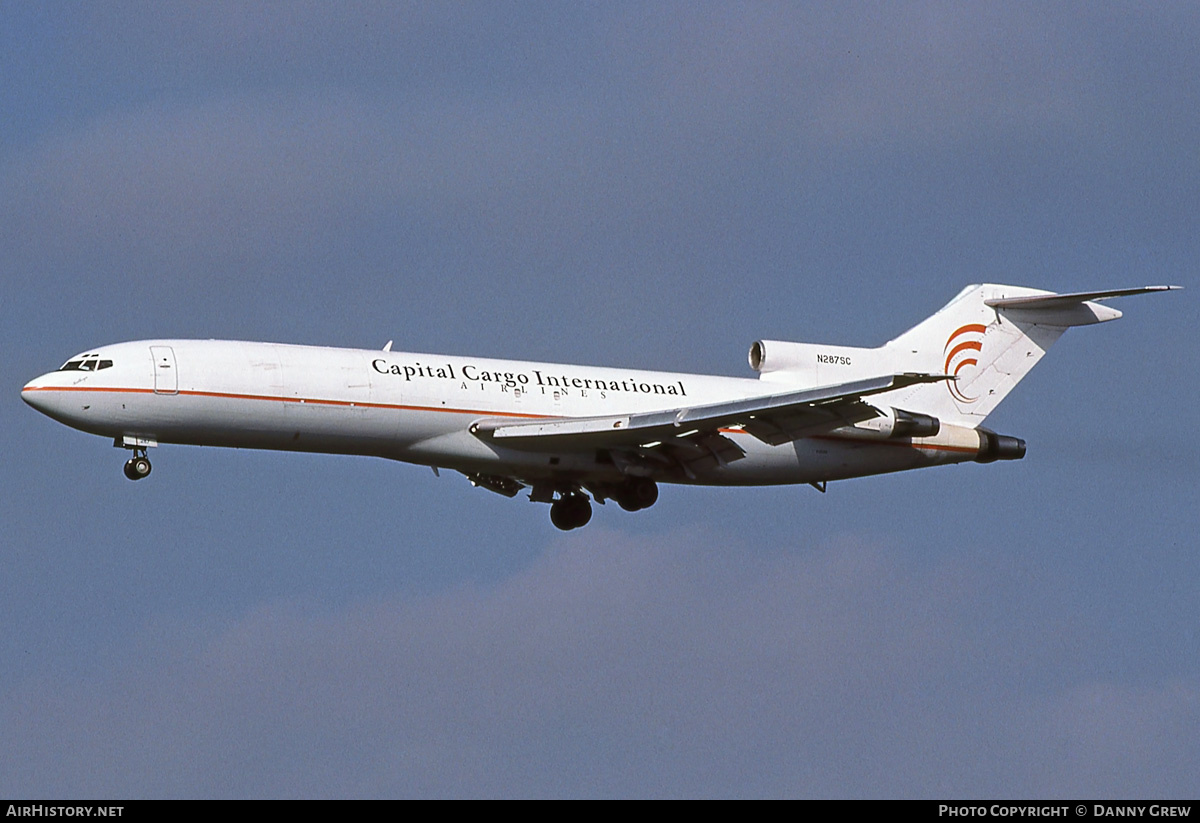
column 166, row 379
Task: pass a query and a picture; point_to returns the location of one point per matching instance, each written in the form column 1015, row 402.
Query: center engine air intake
column 816, row 363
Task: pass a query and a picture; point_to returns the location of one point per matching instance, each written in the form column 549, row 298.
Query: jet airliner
column 574, row 435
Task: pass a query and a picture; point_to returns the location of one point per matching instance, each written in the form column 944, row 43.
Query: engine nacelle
column 775, row 355
column 900, row 423
column 993, row 447
column 768, row 356
column 817, row 364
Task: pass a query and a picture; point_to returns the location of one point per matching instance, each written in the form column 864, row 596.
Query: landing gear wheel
column 571, row 512
column 638, row 493
column 137, row 467
column 560, row 515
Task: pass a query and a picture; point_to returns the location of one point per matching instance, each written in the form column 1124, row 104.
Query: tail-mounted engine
column 814, row 363
column 893, row 423
column 901, row 423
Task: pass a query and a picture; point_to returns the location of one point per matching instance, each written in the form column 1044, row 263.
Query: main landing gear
column 137, row 466
column 636, row 494
column 570, row 507
column 571, row 511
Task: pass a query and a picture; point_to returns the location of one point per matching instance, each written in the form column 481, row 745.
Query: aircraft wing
column 691, row 437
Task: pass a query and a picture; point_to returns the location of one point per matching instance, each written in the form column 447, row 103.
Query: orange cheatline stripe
column 296, row 400
column 84, row 388
column 348, row 403
column 910, row 445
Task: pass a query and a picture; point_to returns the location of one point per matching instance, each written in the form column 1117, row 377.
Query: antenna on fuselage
column 388, row 347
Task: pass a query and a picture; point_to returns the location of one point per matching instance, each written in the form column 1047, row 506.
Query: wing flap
column 777, row 429
column 773, row 418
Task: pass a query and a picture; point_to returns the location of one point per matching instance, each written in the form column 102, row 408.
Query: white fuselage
column 419, row 409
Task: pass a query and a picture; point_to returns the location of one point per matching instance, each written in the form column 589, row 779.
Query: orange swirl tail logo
column 962, row 348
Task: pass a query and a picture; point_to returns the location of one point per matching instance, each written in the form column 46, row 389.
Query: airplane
column 574, row 435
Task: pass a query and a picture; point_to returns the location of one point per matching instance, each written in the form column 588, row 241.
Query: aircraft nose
column 35, row 395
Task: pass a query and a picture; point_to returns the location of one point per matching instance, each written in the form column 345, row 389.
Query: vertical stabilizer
column 988, row 338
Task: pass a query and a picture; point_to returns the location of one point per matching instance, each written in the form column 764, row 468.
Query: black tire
column 571, row 512
column 646, row 492
column 560, row 515
column 637, row 494
column 138, row 468
column 581, row 511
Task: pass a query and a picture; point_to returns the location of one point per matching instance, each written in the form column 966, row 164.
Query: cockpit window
column 89, row 362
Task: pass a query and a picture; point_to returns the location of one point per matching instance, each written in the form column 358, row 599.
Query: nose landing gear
column 137, row 466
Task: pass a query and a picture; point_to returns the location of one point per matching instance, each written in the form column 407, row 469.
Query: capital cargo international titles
column 520, row 379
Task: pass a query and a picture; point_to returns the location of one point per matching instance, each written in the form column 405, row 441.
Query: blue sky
column 641, row 185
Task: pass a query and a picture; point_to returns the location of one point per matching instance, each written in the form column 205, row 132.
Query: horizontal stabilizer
column 1059, row 301
column 1066, row 310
